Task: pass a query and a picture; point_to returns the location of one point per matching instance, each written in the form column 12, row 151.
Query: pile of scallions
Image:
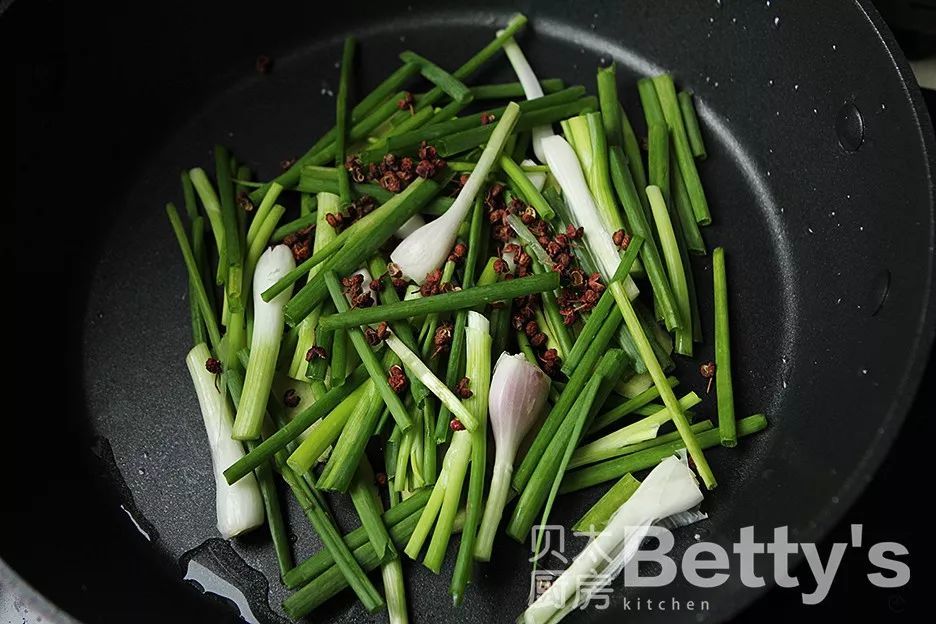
column 473, row 312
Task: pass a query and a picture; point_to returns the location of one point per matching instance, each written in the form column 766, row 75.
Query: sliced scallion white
column 239, row 507
column 532, row 89
column 426, row 249
column 669, row 489
column 265, row 341
column 516, row 399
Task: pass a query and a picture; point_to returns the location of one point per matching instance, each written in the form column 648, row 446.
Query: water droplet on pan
column 849, row 126
column 880, row 286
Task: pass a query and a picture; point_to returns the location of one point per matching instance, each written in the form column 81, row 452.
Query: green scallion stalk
column 691, row 122
column 400, row 327
column 299, row 368
column 381, row 94
column 658, row 144
column 629, row 406
column 478, row 371
column 634, row 433
column 341, row 119
column 659, row 380
column 596, row 518
column 468, row 139
column 631, row 200
column 232, row 236
column 321, row 561
column 339, row 357
column 650, row 101
column 475, row 62
column 512, row 90
column 304, row 221
column 727, row 427
column 191, row 266
column 346, row 564
column 417, row 368
column 445, row 302
column 449, row 84
column 361, row 246
column 265, row 343
column 326, row 431
column 348, row 452
column 648, row 458
column 274, row 514
column 366, row 502
column 680, row 232
column 659, row 440
column 610, row 106
column 449, row 484
column 525, row 188
column 259, row 244
column 674, row 267
column 377, row 373
column 401, row 142
column 282, row 437
column 592, row 149
column 211, row 204
column 330, row 582
column 269, row 200
column 683, row 210
column 455, row 364
column 601, row 310
column 634, row 159
column 199, row 333
column 567, row 399
column 666, row 92
column 541, row 489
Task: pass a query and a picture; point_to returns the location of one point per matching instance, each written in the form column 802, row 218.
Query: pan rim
column 862, row 472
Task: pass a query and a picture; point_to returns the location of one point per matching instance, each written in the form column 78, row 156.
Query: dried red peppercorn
column 316, row 353
column 487, row 118
column 462, row 388
column 213, row 366
column 456, row 425
column 290, row 398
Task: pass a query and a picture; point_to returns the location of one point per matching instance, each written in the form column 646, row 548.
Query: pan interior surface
column 810, row 216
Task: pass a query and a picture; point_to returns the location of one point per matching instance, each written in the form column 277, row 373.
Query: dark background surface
column 112, row 563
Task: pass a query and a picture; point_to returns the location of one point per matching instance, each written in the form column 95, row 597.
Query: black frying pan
column 819, row 175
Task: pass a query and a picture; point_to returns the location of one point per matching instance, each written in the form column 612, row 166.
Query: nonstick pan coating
column 819, row 178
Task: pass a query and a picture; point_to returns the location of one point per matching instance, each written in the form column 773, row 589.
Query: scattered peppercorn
column 458, row 253
column 286, row 163
column 707, row 370
column 263, row 64
column 213, row 366
column 500, row 266
column 406, row 102
column 290, row 398
column 390, row 182
column 316, row 352
column 396, row 378
column 442, row 340
column 487, row 118
column 243, row 201
column 456, row 425
column 462, row 389
column 381, row 478
column 621, row 239
column 334, row 219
